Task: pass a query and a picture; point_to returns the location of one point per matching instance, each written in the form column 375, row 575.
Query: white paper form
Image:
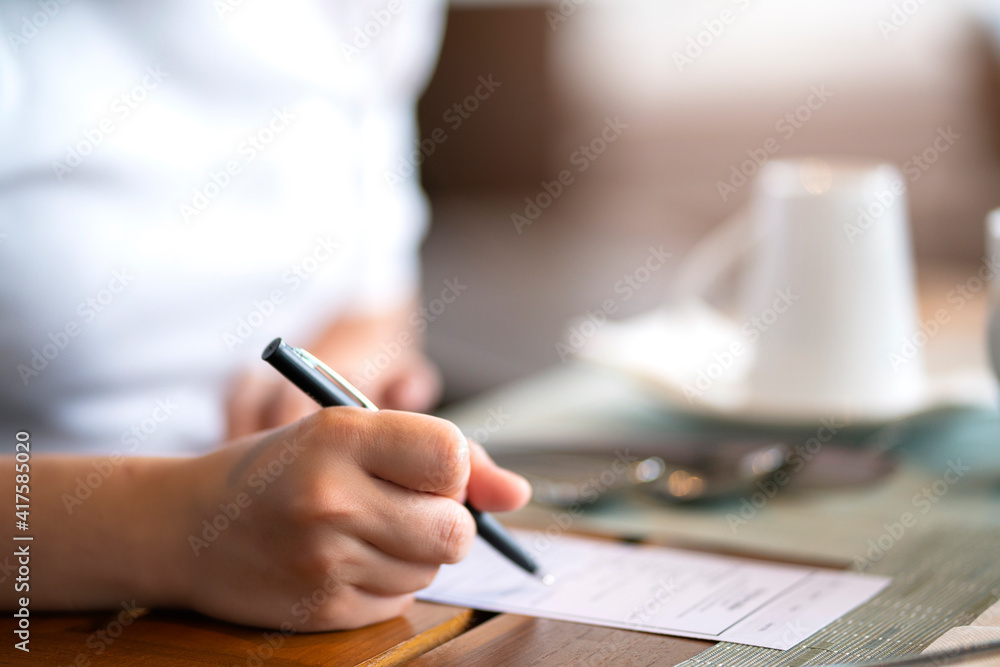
column 656, row 589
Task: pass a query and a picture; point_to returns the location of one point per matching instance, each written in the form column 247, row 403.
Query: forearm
column 104, row 532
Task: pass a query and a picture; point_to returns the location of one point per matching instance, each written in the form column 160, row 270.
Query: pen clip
column 334, row 377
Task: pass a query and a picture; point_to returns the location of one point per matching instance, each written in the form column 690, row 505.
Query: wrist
column 172, row 506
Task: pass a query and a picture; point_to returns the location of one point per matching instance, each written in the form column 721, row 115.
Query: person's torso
column 179, row 182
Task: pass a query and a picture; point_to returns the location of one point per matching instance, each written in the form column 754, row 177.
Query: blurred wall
column 686, row 93
column 501, row 137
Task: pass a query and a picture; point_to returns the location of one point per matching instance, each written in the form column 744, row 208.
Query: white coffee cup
column 827, row 290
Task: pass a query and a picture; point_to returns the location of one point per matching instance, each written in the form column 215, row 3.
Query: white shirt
column 182, row 181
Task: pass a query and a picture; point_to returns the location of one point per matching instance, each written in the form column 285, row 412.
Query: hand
column 355, row 348
column 342, row 517
column 263, row 399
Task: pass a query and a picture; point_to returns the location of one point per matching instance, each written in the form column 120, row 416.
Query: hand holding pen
column 329, row 389
column 330, row 522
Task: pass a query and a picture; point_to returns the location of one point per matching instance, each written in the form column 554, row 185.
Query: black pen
column 329, row 389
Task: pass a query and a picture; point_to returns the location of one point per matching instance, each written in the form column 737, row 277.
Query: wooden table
column 432, row 634
column 429, row 634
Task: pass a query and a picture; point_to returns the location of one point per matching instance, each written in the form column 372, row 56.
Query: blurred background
column 692, row 90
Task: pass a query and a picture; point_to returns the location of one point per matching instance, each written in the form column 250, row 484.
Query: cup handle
column 715, row 256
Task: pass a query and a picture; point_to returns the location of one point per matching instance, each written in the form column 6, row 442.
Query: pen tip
column 547, row 579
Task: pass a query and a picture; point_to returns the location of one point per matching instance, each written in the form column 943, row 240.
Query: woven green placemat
column 944, row 579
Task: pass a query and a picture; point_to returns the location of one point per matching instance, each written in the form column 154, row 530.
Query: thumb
column 492, row 488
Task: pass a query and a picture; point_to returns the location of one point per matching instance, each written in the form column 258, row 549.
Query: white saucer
column 675, row 350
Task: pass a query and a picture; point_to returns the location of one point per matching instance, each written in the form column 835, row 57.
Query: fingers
column 382, row 574
column 492, row 488
column 414, row 451
column 413, row 526
column 428, row 528
column 390, row 482
column 354, row 608
column 405, row 464
column 368, row 608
